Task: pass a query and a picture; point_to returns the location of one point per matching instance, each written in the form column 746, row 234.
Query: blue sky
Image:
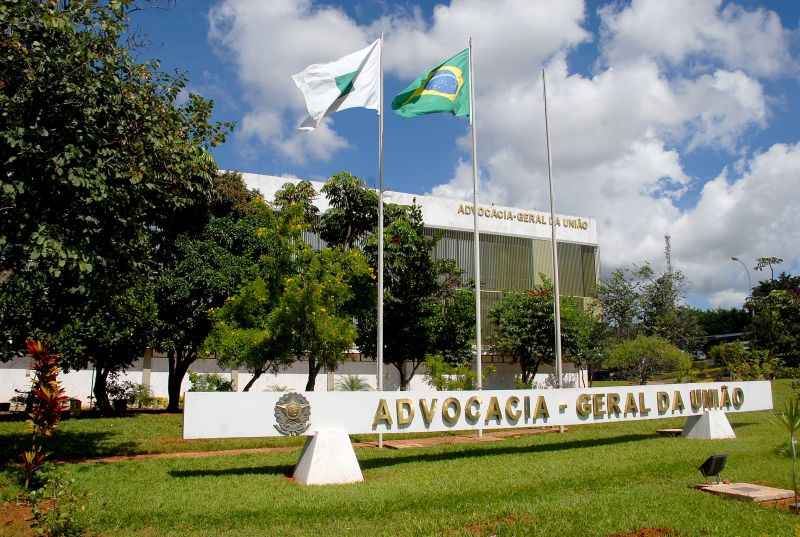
column 673, row 117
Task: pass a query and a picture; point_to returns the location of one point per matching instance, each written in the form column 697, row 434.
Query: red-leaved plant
column 49, row 402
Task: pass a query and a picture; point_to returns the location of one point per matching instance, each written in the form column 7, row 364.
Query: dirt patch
column 490, row 527
column 647, row 532
column 15, row 519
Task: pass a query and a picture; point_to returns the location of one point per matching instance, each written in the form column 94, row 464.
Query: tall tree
column 590, row 338
column 353, row 211
column 101, row 169
column 205, row 269
column 526, row 328
column 776, row 325
column 419, row 298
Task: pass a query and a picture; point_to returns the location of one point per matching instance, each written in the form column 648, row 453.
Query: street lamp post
column 749, row 280
column 746, row 271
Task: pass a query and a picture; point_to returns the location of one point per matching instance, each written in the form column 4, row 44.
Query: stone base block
column 328, row 459
column 711, row 425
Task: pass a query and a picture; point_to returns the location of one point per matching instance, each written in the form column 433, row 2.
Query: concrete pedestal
column 328, row 459
column 710, row 425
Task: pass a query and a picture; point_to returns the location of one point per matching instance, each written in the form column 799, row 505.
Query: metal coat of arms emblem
column 292, row 413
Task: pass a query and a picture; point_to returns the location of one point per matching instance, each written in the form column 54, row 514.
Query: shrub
column 55, row 508
column 210, row 382
column 352, row 383
column 743, row 363
column 445, row 376
column 642, row 357
column 48, row 402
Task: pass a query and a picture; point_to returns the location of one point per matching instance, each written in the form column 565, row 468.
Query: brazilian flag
column 444, row 88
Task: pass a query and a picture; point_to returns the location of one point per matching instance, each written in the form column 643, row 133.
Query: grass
column 595, row 480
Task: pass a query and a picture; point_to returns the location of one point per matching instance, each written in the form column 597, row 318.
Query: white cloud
column 727, row 298
column 269, row 41
column 511, row 38
column 687, row 31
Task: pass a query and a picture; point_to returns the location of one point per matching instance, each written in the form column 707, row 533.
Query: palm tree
column 790, row 419
column 352, row 383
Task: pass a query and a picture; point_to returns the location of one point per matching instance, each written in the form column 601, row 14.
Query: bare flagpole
column 556, row 294
column 476, row 240
column 379, row 356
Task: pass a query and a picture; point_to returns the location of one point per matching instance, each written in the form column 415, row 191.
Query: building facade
column 515, row 254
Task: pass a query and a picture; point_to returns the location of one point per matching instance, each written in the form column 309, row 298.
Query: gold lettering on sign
column 427, row 411
column 527, row 406
column 725, row 399
column 643, row 410
column 382, row 415
column 405, row 412
column 695, row 398
column 541, row 409
column 630, row 405
column 583, row 405
column 461, row 209
column 472, row 409
column 677, row 402
column 738, row 397
column 512, row 413
column 613, row 404
column 598, row 405
column 662, row 402
column 451, row 418
column 493, row 412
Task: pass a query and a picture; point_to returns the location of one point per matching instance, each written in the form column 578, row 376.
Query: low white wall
column 16, row 375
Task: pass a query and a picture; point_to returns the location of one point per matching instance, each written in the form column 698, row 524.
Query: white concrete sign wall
column 229, row 415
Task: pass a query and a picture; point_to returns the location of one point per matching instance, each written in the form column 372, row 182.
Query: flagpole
column 556, row 294
column 379, row 354
column 476, row 240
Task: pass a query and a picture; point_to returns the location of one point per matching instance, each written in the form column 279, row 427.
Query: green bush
column 55, row 508
column 640, row 358
column 352, row 383
column 210, row 382
column 744, row 363
column 445, row 376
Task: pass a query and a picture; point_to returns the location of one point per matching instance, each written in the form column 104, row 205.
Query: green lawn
column 593, row 480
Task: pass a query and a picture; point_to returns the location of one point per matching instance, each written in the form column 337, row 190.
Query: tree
column 640, row 358
column 785, row 282
column 313, row 314
column 721, row 320
column 241, row 336
column 638, row 301
column 111, row 335
column 101, row 171
column 353, row 211
column 590, row 337
column 620, row 297
column 764, row 262
column 776, row 325
column 205, row 270
column 420, row 300
column 526, row 328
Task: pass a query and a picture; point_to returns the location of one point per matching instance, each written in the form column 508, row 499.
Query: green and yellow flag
column 444, row 88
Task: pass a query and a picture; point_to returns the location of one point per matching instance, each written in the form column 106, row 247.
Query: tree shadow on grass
column 66, row 446
column 381, row 462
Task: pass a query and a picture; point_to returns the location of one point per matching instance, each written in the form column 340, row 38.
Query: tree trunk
column 256, row 374
column 100, row 395
column 178, row 366
column 313, row 371
column 404, row 379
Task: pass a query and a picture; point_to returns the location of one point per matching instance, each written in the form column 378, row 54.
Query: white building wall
column 16, row 375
